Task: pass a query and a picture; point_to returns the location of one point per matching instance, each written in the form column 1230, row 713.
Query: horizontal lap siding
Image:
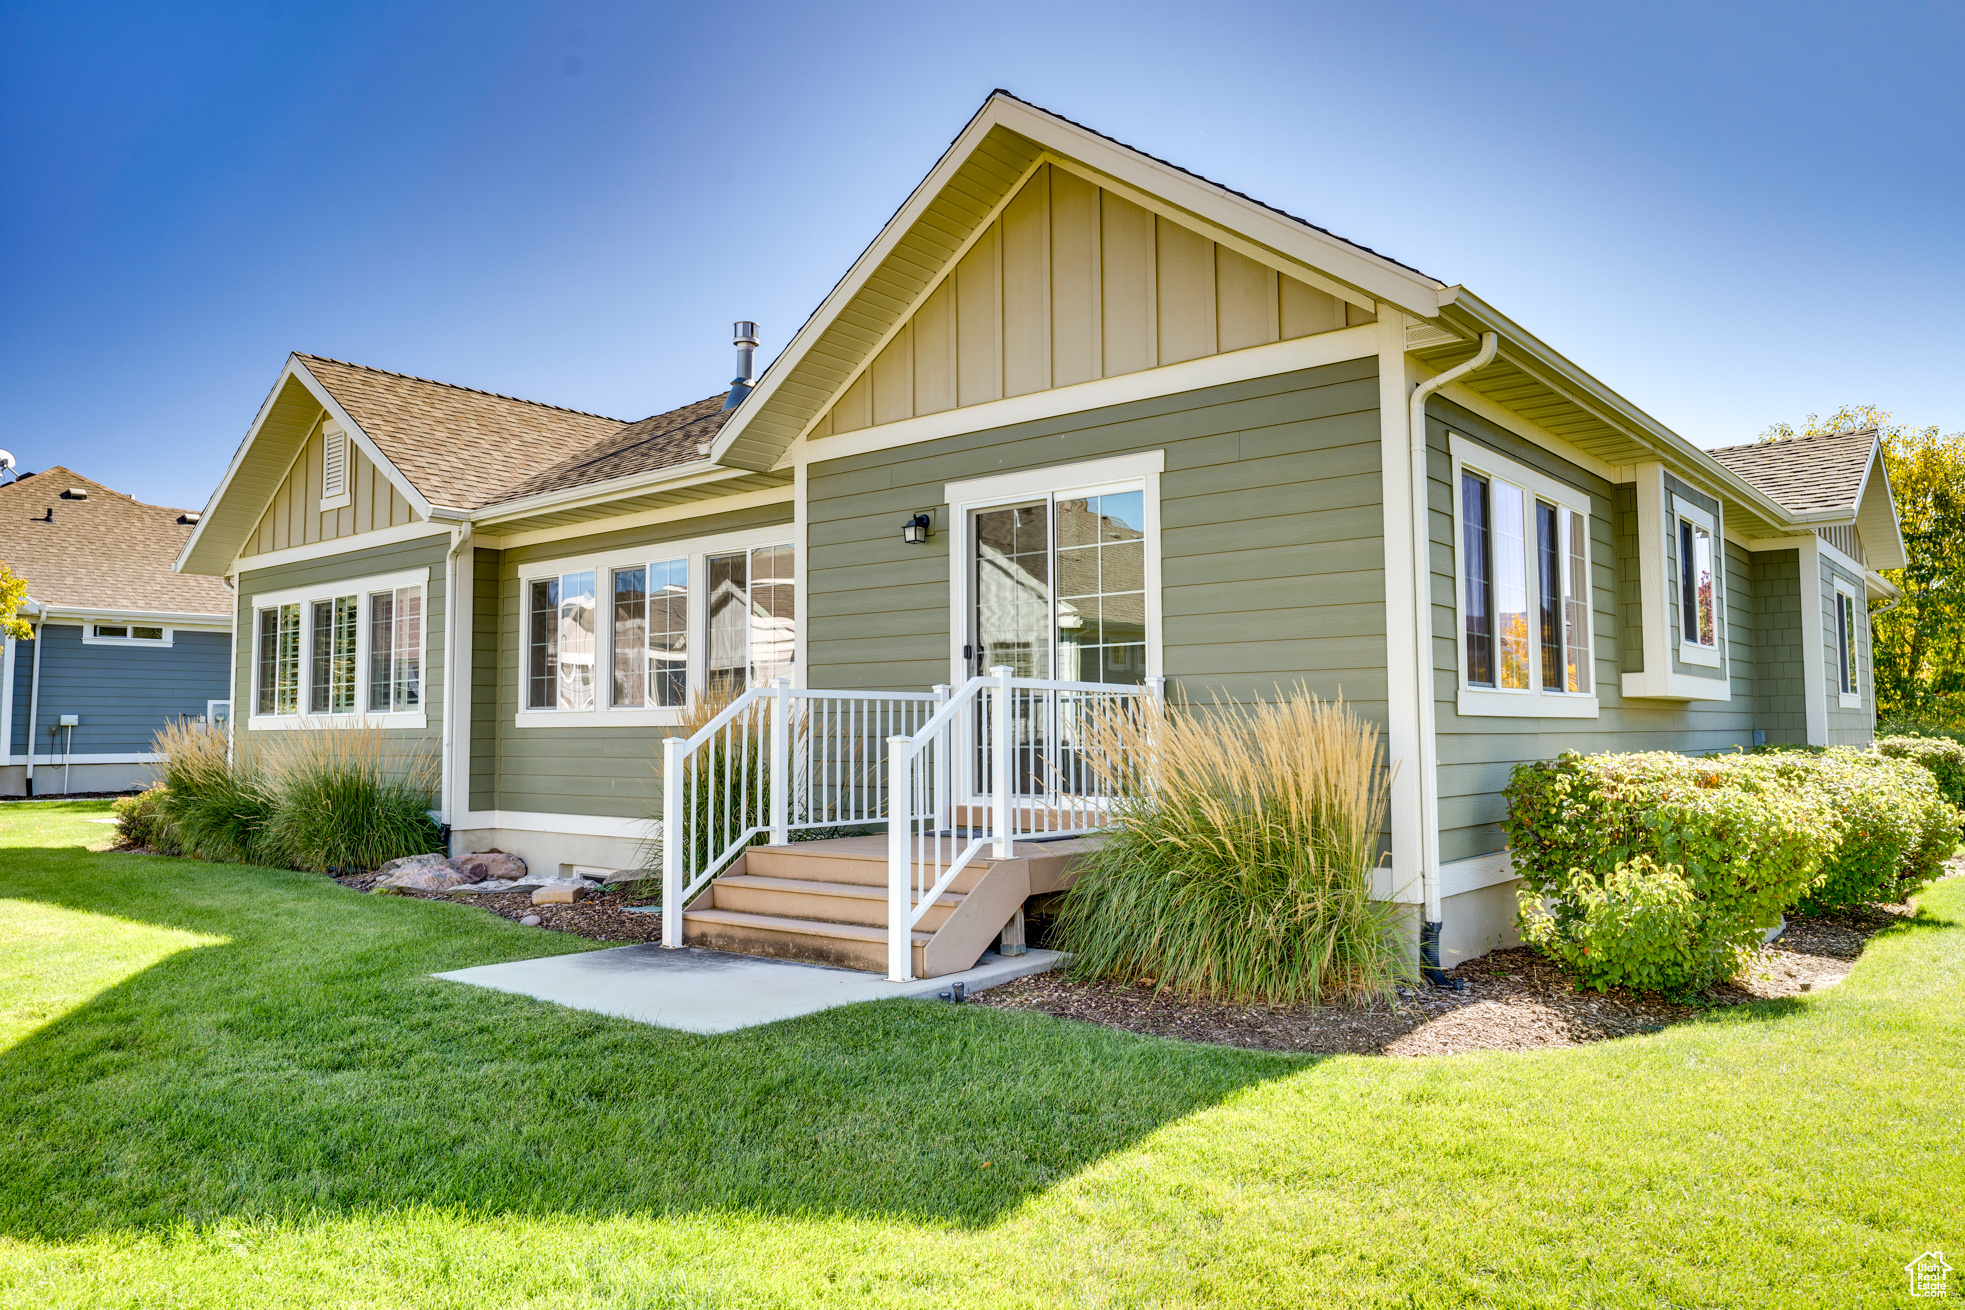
column 430, row 553
column 1477, row 753
column 122, row 694
column 610, row 771
column 1272, row 555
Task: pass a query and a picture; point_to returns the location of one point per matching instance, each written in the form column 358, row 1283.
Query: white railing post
column 780, row 760
column 900, row 826
column 1157, row 687
column 944, row 816
column 672, row 840
column 1000, row 771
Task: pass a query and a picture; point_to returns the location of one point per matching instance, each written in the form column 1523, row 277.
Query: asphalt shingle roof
column 468, row 449
column 107, row 551
column 1807, row 475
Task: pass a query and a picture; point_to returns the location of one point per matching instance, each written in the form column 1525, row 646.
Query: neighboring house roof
column 106, row 551
column 1807, row 475
column 467, row 449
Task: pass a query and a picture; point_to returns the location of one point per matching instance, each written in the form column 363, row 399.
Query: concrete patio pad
column 701, row 991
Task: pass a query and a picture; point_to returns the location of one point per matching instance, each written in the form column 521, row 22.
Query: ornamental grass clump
column 1659, row 871
column 211, row 808
column 1240, row 865
column 348, row 798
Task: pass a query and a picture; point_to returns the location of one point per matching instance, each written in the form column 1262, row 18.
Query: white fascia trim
column 1879, row 587
column 57, row 760
column 694, row 473
column 260, row 600
column 232, row 469
column 1334, row 347
column 310, row 722
column 642, row 518
column 1471, row 875
column 1691, row 652
column 417, row 501
column 1509, row 421
column 568, row 825
column 360, row 541
column 63, row 614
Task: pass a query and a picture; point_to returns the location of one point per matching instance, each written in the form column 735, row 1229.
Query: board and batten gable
column 1271, row 537
column 590, row 769
column 294, row 516
column 430, row 553
column 1478, row 752
column 1072, row 282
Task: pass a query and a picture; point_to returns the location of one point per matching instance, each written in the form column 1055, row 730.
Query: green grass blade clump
column 1240, row 867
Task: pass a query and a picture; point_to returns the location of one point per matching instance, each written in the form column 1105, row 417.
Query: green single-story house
column 1081, row 412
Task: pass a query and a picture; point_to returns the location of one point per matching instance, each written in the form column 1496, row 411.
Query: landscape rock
column 491, row 866
column 439, row 877
column 532, row 921
column 561, row 895
column 396, row 866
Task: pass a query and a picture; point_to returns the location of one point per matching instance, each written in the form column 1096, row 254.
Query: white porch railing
column 949, row 776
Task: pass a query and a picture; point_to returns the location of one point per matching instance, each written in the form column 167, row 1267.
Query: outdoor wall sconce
column 915, row 531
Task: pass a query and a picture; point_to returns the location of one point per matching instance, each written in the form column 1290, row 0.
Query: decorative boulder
column 397, row 866
column 423, row 874
column 490, row 866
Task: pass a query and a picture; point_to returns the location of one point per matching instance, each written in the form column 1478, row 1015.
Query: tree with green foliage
column 1918, row 643
column 13, row 591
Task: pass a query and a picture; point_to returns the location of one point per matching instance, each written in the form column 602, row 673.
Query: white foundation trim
column 571, row 825
column 1480, row 871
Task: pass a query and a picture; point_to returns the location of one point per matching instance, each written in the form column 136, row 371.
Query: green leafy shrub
column 1895, row 827
column 1658, row 870
column 1240, row 868
column 1944, row 757
column 140, row 819
column 345, row 799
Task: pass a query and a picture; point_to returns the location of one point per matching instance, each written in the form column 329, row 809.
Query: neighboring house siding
column 581, row 770
column 123, row 694
column 295, row 518
column 1780, row 685
column 1072, row 283
column 1854, row 726
column 1272, row 553
column 424, row 553
column 1477, row 753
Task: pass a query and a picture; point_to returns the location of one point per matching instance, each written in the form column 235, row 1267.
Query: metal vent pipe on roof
column 746, row 343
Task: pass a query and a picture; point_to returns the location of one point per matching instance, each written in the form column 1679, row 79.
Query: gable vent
column 75, row 493
column 334, row 461
column 1421, row 335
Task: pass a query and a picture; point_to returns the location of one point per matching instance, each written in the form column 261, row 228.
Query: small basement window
column 133, row 634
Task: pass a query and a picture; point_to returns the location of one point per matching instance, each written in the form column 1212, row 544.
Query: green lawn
column 225, row 1086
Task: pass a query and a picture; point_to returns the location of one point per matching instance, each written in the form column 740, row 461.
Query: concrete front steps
column 825, row 902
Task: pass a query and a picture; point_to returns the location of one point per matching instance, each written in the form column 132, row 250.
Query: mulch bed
column 1514, row 1001
column 602, row 917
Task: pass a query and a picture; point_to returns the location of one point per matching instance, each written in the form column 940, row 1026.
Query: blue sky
column 1733, row 214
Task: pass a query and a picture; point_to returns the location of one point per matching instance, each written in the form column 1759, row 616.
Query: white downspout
column 1422, row 592
column 34, row 694
column 460, row 537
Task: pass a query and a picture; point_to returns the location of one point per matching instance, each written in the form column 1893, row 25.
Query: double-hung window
column 1523, row 588
column 1847, row 653
column 340, row 654
column 626, row 639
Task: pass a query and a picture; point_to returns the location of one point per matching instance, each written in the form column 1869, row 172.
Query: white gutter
column 34, row 693
column 460, row 538
column 1422, row 594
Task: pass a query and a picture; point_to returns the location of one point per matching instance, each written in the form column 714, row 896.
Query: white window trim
column 694, row 550
column 303, row 597
column 1140, row 472
column 1849, row 700
column 89, row 637
column 1659, row 680
column 1534, row 701
column 1693, row 652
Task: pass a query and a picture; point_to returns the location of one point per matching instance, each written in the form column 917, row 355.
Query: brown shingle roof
column 1807, row 475
column 108, row 551
column 467, row 449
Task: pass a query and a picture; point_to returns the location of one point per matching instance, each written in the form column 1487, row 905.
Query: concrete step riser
column 818, row 907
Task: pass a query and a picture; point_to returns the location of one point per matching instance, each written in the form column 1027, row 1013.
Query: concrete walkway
column 699, row 991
